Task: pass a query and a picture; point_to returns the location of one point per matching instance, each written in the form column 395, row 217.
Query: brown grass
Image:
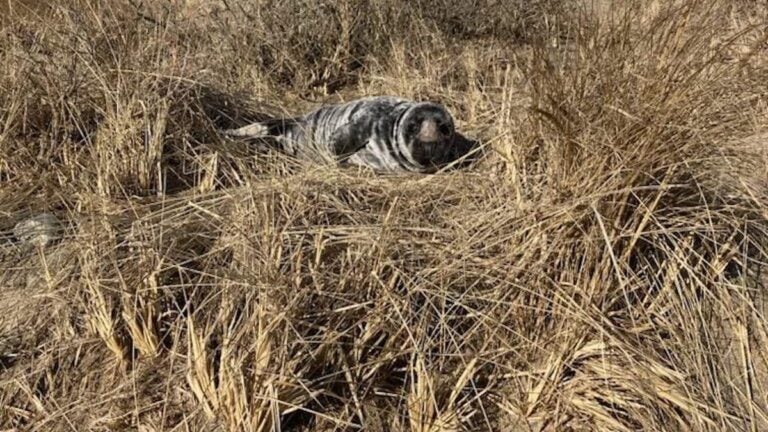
column 599, row 270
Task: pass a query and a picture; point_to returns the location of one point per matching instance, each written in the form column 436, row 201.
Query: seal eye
column 445, row 130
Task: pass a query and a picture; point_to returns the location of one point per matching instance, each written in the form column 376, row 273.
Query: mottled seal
column 383, row 132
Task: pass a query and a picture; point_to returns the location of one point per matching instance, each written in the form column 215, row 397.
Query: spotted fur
column 384, row 133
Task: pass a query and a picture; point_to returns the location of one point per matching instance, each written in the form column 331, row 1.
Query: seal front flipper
column 350, row 138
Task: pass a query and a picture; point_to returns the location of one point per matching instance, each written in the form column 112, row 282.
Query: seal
column 384, row 133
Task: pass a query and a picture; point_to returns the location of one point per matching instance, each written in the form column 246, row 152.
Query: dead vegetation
column 600, row 270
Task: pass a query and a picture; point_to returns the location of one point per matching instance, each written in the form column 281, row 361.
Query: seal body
column 384, row 133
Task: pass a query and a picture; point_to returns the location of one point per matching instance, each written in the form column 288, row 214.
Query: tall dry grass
column 599, row 270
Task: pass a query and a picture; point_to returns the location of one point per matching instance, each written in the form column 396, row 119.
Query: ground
column 600, row 269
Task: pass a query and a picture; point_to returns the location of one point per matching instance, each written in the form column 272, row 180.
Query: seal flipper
column 350, row 138
column 253, row 130
column 269, row 128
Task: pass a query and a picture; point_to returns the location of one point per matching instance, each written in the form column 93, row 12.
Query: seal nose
column 428, row 131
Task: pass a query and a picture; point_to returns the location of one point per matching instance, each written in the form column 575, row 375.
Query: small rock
column 38, row 230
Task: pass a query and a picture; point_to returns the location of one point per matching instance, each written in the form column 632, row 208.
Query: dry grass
column 599, row 270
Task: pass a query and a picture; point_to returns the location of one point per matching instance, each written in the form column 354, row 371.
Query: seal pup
column 384, row 133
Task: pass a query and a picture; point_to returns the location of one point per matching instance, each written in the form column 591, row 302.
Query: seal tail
column 269, row 128
column 253, row 130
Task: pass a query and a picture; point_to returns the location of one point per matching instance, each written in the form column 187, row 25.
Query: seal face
column 384, row 133
column 427, row 131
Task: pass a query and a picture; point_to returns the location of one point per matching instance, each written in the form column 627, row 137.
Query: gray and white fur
column 384, row 133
